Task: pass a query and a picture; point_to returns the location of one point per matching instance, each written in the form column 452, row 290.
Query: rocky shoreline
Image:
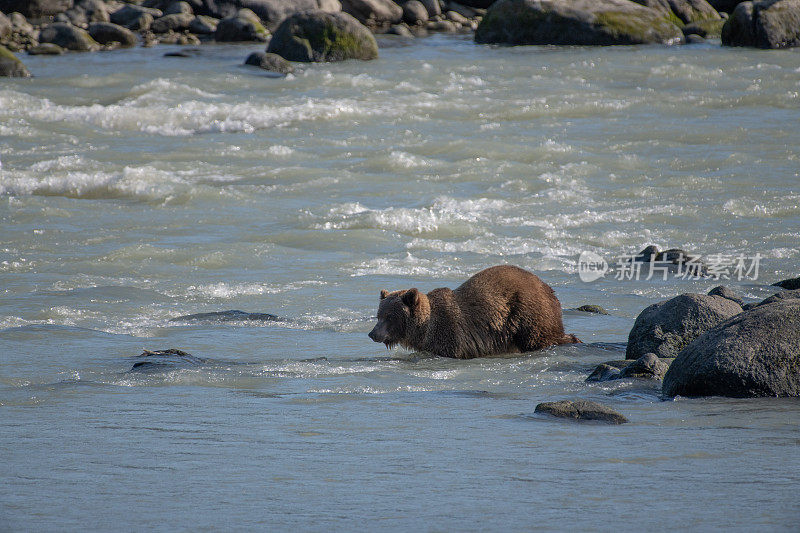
column 306, row 27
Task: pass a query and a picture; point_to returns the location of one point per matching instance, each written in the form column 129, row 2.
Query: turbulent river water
column 137, row 188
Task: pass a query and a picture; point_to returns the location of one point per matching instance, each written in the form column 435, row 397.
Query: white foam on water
column 407, row 265
column 280, row 150
column 788, row 205
column 226, row 291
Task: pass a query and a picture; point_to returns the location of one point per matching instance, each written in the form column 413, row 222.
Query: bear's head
column 400, row 316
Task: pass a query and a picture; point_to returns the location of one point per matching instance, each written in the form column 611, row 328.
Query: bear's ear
column 384, row 294
column 411, row 298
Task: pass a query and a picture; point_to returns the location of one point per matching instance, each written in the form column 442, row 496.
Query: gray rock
column 20, row 25
column 177, row 22
column 648, row 366
column 574, row 22
column 665, row 328
column 69, row 37
column 725, row 6
column 704, row 28
column 141, row 23
column 481, row 4
column 400, row 29
column 465, row 11
column 5, row 27
column 94, row 10
column 10, row 66
column 581, row 410
column 108, row 32
column 685, row 11
column 331, row 6
column 35, row 8
column 433, row 7
column 245, row 26
column 203, row 25
column 270, row 62
column 603, row 372
column 457, row 18
column 322, row 36
column 674, row 260
column 414, row 12
column 778, row 297
column 725, row 292
column 756, row 353
column 271, row 12
column 233, row 315
column 373, row 13
column 176, row 8
column 791, row 284
column 444, row 26
column 130, row 14
column 590, row 308
column 767, row 24
column 46, row 49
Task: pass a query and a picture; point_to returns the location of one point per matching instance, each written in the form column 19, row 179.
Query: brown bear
column 503, row 309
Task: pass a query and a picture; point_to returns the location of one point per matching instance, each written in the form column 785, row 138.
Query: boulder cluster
column 333, row 30
column 715, row 345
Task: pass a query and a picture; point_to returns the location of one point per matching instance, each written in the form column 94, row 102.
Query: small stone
column 203, row 25
column 581, row 410
column 401, row 30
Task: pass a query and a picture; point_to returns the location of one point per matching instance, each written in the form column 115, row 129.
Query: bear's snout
column 376, row 335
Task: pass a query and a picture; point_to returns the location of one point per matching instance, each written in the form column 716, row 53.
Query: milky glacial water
column 135, row 189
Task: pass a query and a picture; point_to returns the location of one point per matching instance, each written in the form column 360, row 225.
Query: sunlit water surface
column 137, row 188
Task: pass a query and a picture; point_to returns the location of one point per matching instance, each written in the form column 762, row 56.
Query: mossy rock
column 314, row 36
column 705, row 28
column 575, row 22
column 11, row 66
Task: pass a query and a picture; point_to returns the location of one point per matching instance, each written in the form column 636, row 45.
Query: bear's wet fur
column 503, row 309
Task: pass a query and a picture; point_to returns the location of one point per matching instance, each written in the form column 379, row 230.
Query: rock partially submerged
column 322, row 36
column 581, row 410
column 756, row 353
column 575, row 22
column 790, row 284
column 648, row 366
column 270, row 62
column 374, row 13
column 10, row 66
column 163, row 359
column 665, row 328
column 591, row 308
column 227, row 316
column 767, row 24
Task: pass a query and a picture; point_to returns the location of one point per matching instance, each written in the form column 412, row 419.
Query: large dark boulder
column 35, row 8
column 374, row 13
column 768, row 24
column 68, row 36
column 665, row 328
column 10, row 66
column 756, row 353
column 791, row 283
column 575, row 22
column 725, row 6
column 321, row 36
column 107, row 33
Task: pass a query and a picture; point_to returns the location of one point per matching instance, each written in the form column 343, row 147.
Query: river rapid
column 136, row 189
